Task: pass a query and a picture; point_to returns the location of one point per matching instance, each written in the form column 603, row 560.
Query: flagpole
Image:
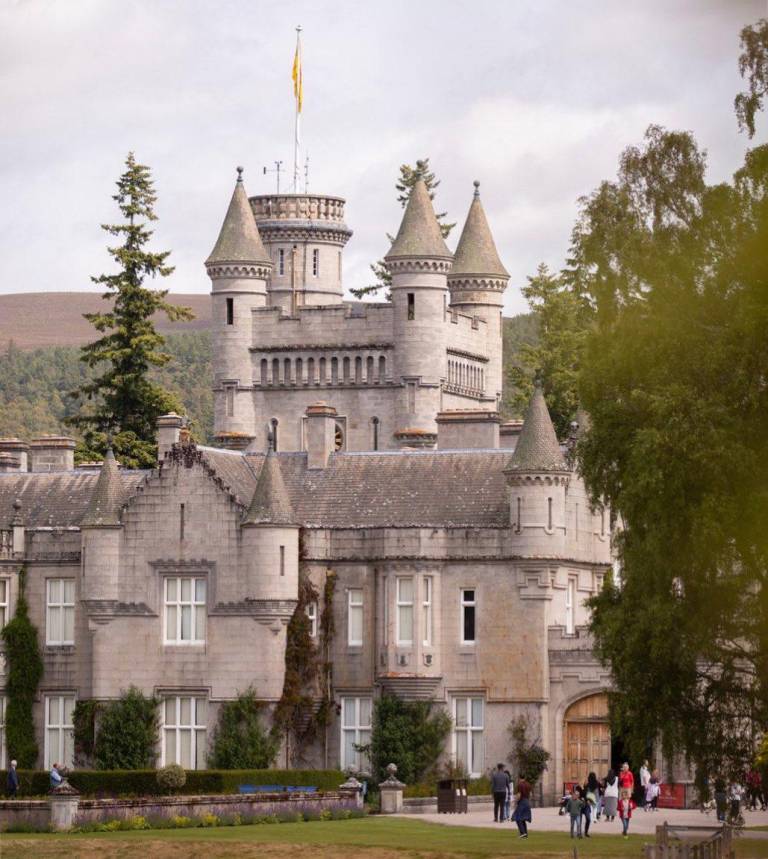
column 298, row 117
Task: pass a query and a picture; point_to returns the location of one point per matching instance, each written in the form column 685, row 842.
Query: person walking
column 522, row 815
column 508, row 799
column 645, row 780
column 12, row 781
column 573, row 806
column 721, row 799
column 589, row 795
column 626, row 779
column 626, row 804
column 499, row 785
column 611, row 795
column 754, row 789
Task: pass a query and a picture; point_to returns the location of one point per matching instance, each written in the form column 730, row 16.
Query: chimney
column 52, row 453
column 464, row 429
column 168, row 433
column 9, row 462
column 509, row 433
column 18, row 449
column 321, row 434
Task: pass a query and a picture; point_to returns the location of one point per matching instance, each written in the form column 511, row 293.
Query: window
column 339, row 265
column 405, row 611
column 230, row 311
column 184, row 610
column 315, row 262
column 549, row 514
column 355, row 732
column 60, row 612
column 312, row 617
column 4, row 598
column 570, row 601
column 59, row 730
column 411, row 305
column 468, row 616
column 274, row 423
column 184, row 726
column 519, row 514
column 230, row 401
column 281, row 261
column 282, row 560
column 375, row 423
column 355, row 617
column 468, row 751
column 2, row 733
column 426, row 611
column 338, row 437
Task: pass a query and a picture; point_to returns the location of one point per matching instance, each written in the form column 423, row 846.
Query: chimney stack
column 168, row 433
column 18, row 450
column 52, row 453
column 321, row 434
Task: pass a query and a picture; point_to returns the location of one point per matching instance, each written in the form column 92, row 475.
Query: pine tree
column 124, row 402
column 409, row 176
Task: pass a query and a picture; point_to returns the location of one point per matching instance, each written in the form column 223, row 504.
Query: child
column 573, row 807
column 652, row 791
column 626, row 804
column 564, row 802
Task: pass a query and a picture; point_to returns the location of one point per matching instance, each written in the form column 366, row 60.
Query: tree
column 25, row 670
column 555, row 355
column 127, row 732
column 528, row 756
column 753, row 64
column 409, row 176
column 240, row 740
column 410, row 734
column 124, row 401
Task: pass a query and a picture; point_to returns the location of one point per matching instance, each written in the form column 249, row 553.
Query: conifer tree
column 409, row 176
column 123, row 401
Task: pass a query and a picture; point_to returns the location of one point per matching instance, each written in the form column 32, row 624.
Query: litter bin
column 452, row 796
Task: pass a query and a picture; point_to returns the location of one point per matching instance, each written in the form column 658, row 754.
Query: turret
column 537, row 480
column 101, row 533
column 270, row 537
column 239, row 268
column 304, row 235
column 419, row 262
column 477, row 282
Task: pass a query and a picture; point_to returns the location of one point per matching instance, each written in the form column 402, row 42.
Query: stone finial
column 392, row 781
column 239, row 174
column 476, row 195
column 17, row 520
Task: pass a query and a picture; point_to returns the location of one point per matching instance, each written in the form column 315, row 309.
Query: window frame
column 193, row 603
column 311, row 610
column 469, row 729
column 281, row 261
column 315, row 262
column 427, row 599
column 194, row 728
column 5, row 602
column 570, row 606
column 402, row 604
column 60, row 727
column 61, row 607
column 466, row 604
column 361, row 762
column 357, row 607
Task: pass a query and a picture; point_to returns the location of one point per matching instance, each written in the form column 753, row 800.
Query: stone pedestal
column 353, row 786
column 63, row 802
column 391, row 793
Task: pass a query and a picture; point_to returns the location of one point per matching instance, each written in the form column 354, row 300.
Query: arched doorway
column 586, row 738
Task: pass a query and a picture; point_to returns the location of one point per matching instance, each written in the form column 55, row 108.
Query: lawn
column 371, row 838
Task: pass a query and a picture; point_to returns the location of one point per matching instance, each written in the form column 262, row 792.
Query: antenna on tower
column 276, row 171
column 306, row 174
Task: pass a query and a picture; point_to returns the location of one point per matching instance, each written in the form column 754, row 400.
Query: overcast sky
column 535, row 99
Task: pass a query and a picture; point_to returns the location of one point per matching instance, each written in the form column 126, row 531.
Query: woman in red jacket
column 626, row 779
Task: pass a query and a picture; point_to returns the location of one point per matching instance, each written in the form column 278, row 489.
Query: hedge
column 103, row 783
column 476, row 787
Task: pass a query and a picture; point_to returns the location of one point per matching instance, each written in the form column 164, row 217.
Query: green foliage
column 34, row 386
column 240, row 740
column 84, row 723
column 171, row 778
column 127, row 732
column 411, row 734
column 753, row 64
column 528, row 756
column 122, row 398
column 24, row 672
column 409, row 176
column 555, row 355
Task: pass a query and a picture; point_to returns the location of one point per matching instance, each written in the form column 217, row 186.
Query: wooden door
column 587, row 743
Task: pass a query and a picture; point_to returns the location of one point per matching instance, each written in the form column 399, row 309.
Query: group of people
column 504, row 791
column 12, row 779
column 728, row 797
column 607, row 798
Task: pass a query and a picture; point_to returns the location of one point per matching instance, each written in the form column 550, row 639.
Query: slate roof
column 537, row 448
column 239, row 239
column 270, row 504
column 476, row 252
column 419, row 234
column 107, row 497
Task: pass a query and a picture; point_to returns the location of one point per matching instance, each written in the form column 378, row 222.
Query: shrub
column 127, row 732
column 239, row 739
column 178, row 821
column 530, row 757
column 209, row 820
column 171, row 778
column 326, row 814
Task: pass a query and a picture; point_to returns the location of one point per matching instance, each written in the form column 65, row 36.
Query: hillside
column 34, row 383
column 36, row 319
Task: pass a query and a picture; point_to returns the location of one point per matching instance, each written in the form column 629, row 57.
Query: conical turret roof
column 108, row 497
column 419, row 234
column 537, row 448
column 476, row 252
column 239, row 239
column 270, row 504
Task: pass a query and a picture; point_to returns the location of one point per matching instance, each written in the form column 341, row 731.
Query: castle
column 361, row 444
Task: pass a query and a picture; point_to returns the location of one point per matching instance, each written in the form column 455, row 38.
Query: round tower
column 304, row 235
column 477, row 282
column 239, row 268
column 537, row 480
column 419, row 262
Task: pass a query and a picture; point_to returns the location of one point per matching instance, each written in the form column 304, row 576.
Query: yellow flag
column 298, row 84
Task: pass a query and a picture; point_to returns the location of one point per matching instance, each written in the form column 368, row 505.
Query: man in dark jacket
column 12, row 781
column 499, row 784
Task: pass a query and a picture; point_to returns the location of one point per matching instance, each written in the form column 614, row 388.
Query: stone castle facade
column 462, row 550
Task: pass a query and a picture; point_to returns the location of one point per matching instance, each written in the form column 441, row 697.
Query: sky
column 536, row 100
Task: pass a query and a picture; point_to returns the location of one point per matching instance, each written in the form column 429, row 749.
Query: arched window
column 275, row 371
column 311, row 371
column 322, row 371
column 338, row 438
column 299, row 371
column 369, row 369
column 375, row 428
column 382, row 368
column 287, row 371
column 358, row 370
column 346, row 369
column 273, row 426
column 264, row 371
column 334, row 370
